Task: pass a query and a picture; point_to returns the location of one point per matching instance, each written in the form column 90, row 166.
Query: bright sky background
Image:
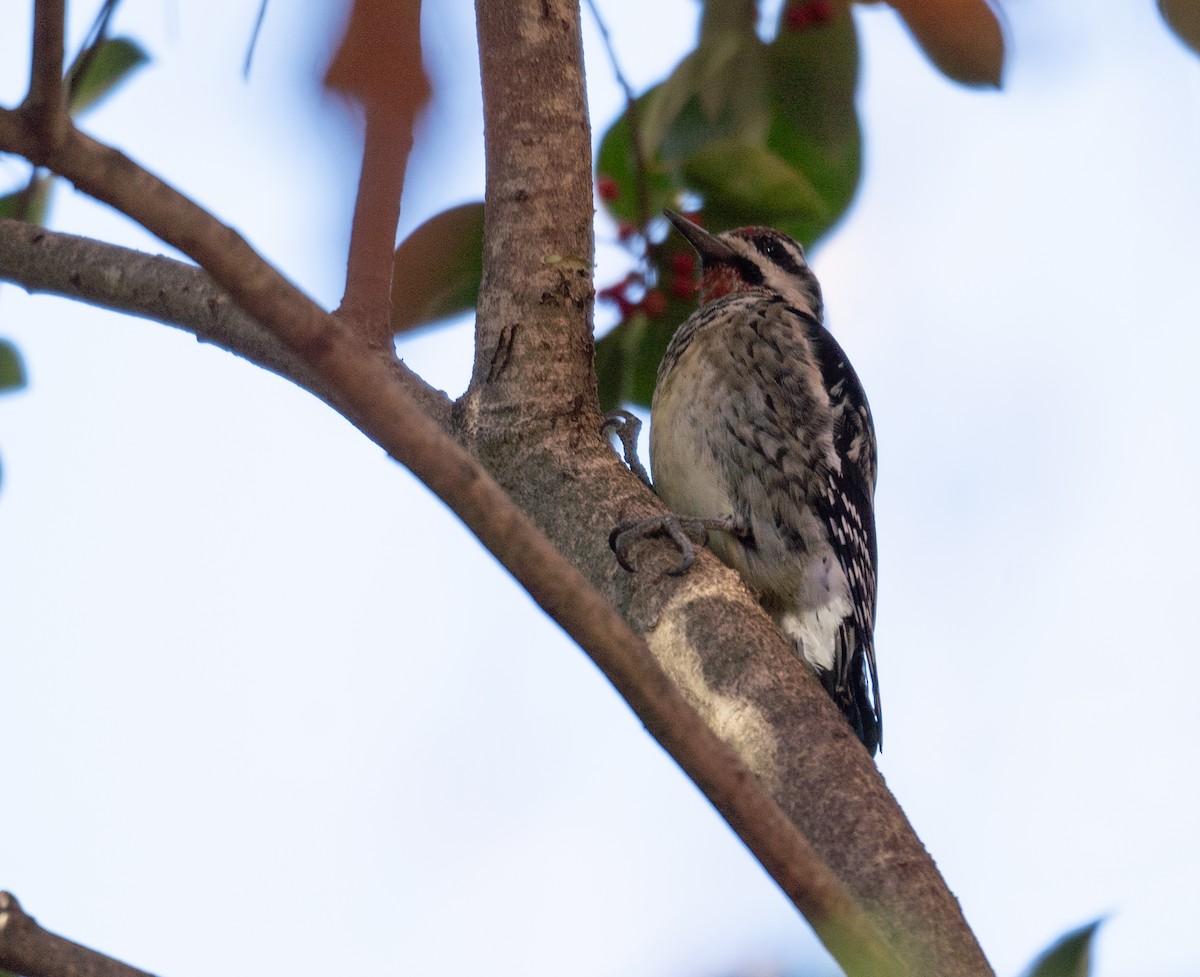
column 269, row 709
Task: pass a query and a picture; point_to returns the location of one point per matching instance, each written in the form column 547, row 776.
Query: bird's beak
column 708, row 246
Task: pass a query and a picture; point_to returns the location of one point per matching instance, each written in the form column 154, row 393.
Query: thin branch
column 379, row 65
column 29, row 950
column 641, row 182
column 171, row 292
column 258, row 22
column 45, row 105
column 386, row 147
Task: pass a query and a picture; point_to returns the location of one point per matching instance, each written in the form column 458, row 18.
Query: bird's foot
column 680, row 529
column 626, row 426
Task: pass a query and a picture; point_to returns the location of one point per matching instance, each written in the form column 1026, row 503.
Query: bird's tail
column 854, row 699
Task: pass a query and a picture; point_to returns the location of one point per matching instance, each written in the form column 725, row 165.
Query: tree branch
column 389, row 416
column 45, row 104
column 379, row 64
column 174, row 293
column 531, row 416
column 385, row 412
column 29, row 950
column 386, row 145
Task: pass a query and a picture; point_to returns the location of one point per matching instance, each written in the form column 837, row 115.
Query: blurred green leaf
column 813, row 78
column 12, row 369
column 717, row 92
column 751, row 185
column 616, row 161
column 627, row 356
column 1183, row 17
column 798, row 172
column 1071, row 956
column 627, row 360
column 114, row 60
column 438, row 267
column 30, row 203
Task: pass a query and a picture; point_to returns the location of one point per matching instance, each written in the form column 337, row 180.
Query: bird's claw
column 680, row 529
column 626, row 426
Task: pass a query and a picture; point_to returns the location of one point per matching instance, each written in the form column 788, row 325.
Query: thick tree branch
column 390, row 417
column 29, row 950
column 171, row 292
column 530, row 416
column 385, row 412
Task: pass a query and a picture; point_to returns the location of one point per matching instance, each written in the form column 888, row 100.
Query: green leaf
column 617, row 161
column 113, row 61
column 30, row 203
column 813, row 77
column 717, row 92
column 1071, row 956
column 627, row 360
column 438, row 267
column 627, row 356
column 12, row 370
column 751, row 185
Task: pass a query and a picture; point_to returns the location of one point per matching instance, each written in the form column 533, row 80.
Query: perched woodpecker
column 760, row 436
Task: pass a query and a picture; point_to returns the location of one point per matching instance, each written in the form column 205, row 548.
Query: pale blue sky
column 269, row 708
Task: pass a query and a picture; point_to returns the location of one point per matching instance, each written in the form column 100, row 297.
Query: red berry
column 608, row 188
column 626, row 230
column 654, row 303
column 798, row 17
column 801, row 16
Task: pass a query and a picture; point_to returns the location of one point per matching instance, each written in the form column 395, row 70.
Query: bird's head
column 749, row 258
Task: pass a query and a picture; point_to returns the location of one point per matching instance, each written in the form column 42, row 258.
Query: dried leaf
column 437, row 268
column 379, row 60
column 1183, row 17
column 963, row 38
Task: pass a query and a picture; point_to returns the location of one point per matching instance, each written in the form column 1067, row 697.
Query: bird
column 763, row 444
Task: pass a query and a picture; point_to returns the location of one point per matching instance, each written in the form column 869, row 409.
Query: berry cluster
column 631, row 295
column 664, row 272
column 802, row 16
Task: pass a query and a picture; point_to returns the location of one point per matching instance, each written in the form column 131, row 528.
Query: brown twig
column 29, row 950
column 379, row 65
column 254, row 33
column 174, row 293
column 641, row 180
column 45, row 104
column 386, row 147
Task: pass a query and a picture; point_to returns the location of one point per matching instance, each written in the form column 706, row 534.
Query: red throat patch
column 719, row 279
